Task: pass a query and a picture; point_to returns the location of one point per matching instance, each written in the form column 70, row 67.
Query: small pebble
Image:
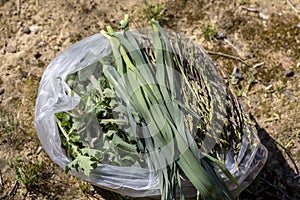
column 56, row 48
column 2, row 91
column 289, row 73
column 39, row 150
column 238, row 76
column 34, row 29
column 37, row 55
column 26, row 30
column 221, row 36
column 42, row 44
column 289, row 96
column 269, row 87
column 11, row 48
column 263, row 16
column 235, row 70
column 298, row 26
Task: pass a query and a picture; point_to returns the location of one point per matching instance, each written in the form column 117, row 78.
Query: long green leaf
column 153, row 96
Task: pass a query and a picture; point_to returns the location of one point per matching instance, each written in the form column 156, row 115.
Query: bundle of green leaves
column 156, row 98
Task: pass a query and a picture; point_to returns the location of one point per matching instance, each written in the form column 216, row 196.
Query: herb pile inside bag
column 157, row 102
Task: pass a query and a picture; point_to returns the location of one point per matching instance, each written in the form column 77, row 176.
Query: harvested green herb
column 90, row 133
column 155, row 99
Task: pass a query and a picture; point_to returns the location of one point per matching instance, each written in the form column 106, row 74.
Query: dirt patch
column 264, row 35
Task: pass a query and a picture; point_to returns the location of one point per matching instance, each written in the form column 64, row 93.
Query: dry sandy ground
column 33, row 32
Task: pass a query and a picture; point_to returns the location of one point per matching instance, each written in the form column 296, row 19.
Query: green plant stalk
column 187, row 161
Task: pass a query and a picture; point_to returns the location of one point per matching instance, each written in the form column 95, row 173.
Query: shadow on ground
column 269, row 184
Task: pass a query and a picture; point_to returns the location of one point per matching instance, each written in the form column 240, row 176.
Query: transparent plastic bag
column 54, row 97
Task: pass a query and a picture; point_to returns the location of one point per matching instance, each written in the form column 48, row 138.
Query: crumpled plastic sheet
column 130, row 181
